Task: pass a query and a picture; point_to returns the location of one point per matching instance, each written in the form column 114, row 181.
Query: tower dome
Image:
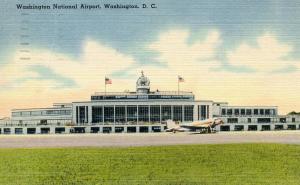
column 143, row 84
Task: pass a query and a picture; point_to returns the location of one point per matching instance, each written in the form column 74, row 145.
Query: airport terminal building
column 142, row 111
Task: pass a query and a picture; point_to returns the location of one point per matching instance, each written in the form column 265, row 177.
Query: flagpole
column 178, row 85
column 105, row 86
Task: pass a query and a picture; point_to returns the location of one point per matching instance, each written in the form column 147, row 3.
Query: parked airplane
column 203, row 126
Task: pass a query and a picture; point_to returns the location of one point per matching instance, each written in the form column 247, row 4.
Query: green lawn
column 192, row 164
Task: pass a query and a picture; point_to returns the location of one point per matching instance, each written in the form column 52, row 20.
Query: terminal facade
column 142, row 111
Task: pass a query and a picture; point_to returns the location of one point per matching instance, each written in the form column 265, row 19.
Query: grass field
column 193, row 164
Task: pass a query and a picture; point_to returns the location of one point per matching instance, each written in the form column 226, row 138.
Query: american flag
column 108, row 81
column 180, row 79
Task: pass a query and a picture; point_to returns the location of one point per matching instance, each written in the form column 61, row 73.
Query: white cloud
column 267, row 56
column 194, row 61
column 175, row 50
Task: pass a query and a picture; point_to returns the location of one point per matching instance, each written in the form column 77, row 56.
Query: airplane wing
column 195, row 126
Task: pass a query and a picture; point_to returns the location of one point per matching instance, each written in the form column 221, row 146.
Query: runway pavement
column 146, row 139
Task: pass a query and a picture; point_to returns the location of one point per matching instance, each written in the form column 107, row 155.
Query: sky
column 241, row 52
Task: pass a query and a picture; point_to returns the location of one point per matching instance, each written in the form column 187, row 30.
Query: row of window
column 122, row 114
column 41, row 113
column 260, row 120
column 248, row 111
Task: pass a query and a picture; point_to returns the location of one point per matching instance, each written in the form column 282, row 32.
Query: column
column 272, row 126
column 12, row 130
column 137, row 114
column 259, row 127
column 114, row 114
column 38, row 130
column 172, row 114
column 87, row 129
column 90, row 114
column 182, row 110
column 24, row 129
column 102, row 115
column 126, row 115
column 52, row 129
column 67, row 130
column 231, row 127
column 149, row 113
column 160, row 111
column 113, row 130
column 246, row 127
column 125, row 129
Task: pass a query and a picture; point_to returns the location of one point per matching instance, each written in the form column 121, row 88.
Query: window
column 108, row 114
column 132, row 113
column 267, row 112
column 120, row 114
column 82, row 113
column 155, row 113
column 188, row 113
column 36, row 113
column 242, row 111
column 166, row 112
column 177, row 113
column 26, row 113
column 97, row 114
column 249, row 120
column 255, row 112
column 263, row 120
column 203, row 112
column 16, row 114
column 143, row 114
column 236, row 111
column 261, row 111
column 293, row 120
column 232, row 120
column 282, row 120
column 229, row 111
column 223, row 111
column 248, row 112
column 43, row 122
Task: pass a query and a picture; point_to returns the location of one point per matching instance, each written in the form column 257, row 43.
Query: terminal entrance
column 156, row 129
column 18, row 131
column 45, row 130
column 31, row 130
column 6, row 130
column 144, row 129
column 131, row 129
column 239, row 128
column 278, row 127
column 107, row 129
column 252, row 128
column 225, row 128
column 79, row 129
column 291, row 127
column 95, row 129
column 265, row 127
column 119, row 129
column 60, row 130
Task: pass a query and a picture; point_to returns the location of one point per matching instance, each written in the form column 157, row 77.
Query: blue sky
column 127, row 30
column 130, row 32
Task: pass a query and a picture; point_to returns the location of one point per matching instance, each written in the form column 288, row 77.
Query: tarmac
column 146, row 139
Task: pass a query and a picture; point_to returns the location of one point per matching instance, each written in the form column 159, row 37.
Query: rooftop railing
column 150, row 93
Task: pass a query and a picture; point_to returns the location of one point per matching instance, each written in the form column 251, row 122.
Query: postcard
column 149, row 91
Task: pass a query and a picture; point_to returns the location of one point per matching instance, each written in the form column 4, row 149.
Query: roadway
column 146, row 139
